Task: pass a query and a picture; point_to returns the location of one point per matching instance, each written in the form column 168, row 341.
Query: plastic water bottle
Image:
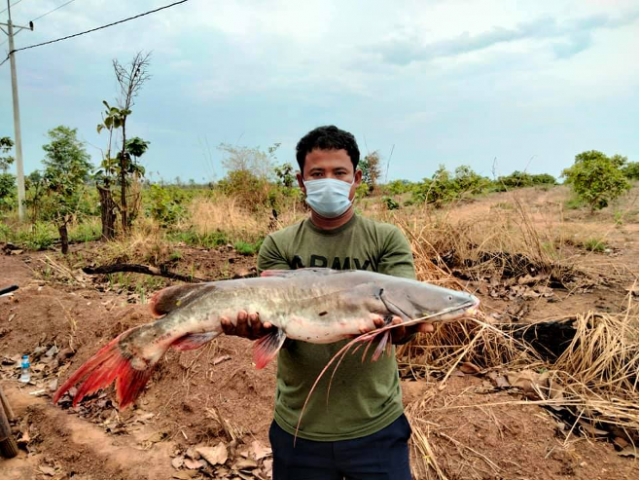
column 26, row 375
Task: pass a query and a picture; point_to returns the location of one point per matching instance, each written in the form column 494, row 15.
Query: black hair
column 328, row 137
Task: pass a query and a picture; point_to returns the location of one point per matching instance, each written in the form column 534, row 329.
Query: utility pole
column 16, row 109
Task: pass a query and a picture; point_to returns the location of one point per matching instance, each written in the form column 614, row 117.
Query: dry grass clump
column 599, row 370
column 593, row 385
column 471, row 341
column 502, row 245
column 146, row 243
column 226, row 214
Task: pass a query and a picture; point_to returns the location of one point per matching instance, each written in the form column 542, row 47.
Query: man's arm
column 397, row 258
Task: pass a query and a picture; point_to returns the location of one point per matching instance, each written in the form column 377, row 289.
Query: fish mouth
column 469, row 309
column 472, row 310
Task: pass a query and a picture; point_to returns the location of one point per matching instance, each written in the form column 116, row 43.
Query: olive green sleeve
column 396, row 258
column 270, row 257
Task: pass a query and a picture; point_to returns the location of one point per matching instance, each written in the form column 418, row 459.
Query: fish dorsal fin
column 299, row 272
column 170, row 298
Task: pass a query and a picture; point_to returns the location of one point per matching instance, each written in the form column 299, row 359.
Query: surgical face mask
column 328, row 197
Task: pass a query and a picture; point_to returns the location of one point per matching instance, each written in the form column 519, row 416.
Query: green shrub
column 398, row 187
column 7, row 191
column 595, row 245
column 244, row 248
column 390, row 203
column 166, row 204
column 574, row 203
column 85, row 232
column 444, row 187
column 520, row 179
column 630, row 171
column 596, row 178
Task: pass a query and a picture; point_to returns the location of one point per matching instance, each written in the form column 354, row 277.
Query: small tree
column 596, row 178
column 131, row 78
column 136, row 147
column 6, row 144
column 468, row 181
column 438, row 190
column 252, row 160
column 66, row 169
column 285, row 175
column 370, row 166
column 7, row 180
column 106, row 175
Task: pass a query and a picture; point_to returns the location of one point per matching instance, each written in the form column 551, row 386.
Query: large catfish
column 312, row 305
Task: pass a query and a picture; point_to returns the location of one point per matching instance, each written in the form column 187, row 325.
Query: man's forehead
column 328, row 159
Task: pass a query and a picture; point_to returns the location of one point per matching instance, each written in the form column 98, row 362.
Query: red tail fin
column 105, row 367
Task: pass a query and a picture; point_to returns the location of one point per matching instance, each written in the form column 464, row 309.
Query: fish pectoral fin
column 191, row 341
column 266, row 348
column 394, row 309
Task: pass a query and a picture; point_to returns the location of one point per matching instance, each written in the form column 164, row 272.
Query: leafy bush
column 596, row 178
column 166, row 204
column 390, row 203
column 250, row 190
column 85, row 232
column 520, row 179
column 398, row 187
column 630, row 170
column 444, row 187
column 7, row 191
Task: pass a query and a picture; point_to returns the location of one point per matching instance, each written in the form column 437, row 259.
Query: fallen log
column 147, row 270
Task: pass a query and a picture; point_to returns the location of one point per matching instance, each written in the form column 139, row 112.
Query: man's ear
column 301, row 182
column 358, row 178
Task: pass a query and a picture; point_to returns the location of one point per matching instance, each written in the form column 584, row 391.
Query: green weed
column 206, row 240
column 595, row 245
column 244, row 248
column 574, row 203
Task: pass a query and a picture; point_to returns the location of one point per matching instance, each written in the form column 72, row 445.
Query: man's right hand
column 248, row 325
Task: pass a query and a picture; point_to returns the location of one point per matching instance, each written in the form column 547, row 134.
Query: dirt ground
column 204, row 397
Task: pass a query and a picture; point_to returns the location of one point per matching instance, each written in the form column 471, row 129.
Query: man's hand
column 400, row 334
column 247, row 325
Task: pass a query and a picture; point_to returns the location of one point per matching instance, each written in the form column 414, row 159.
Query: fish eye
column 449, row 298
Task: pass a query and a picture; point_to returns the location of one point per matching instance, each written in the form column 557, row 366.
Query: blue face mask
column 328, row 197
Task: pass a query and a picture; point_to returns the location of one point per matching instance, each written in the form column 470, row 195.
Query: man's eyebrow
column 317, row 169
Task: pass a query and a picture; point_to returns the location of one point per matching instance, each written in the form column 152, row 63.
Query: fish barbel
column 312, row 305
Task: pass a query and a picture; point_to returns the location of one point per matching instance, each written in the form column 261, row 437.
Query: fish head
column 416, row 300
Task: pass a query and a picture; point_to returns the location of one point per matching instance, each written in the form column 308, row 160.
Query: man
column 360, row 431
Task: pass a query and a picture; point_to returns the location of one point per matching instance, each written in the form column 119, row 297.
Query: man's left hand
column 401, row 333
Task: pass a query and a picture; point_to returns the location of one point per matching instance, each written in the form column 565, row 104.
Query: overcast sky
column 527, row 83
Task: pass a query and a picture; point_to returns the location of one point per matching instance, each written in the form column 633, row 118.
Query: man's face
column 334, row 164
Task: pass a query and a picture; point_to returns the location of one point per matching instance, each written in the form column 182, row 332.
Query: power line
column 13, row 4
column 51, row 11
column 95, row 29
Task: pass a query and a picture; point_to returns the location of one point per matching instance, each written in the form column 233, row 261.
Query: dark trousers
column 383, row 455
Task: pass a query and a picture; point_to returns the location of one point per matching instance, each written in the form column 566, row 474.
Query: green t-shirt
column 365, row 396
